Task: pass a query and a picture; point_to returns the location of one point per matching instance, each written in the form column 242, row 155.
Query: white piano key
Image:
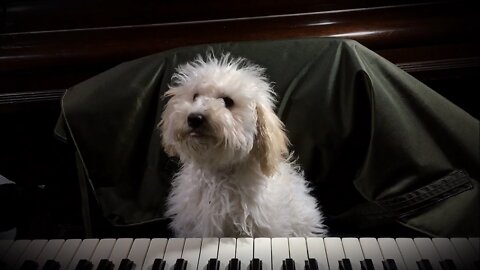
column 4, row 246
column 191, row 252
column 280, row 252
column 298, row 251
column 334, row 250
column 226, row 251
column 427, row 251
column 316, row 250
column 371, row 250
column 465, row 251
column 447, row 251
column 244, row 252
column 262, row 249
column 138, row 252
column 50, row 251
column 353, row 251
column 389, row 249
column 84, row 252
column 156, row 250
column 102, row 251
column 120, row 251
column 409, row 252
column 474, row 240
column 31, row 253
column 65, row 255
column 14, row 252
column 208, row 251
column 173, row 252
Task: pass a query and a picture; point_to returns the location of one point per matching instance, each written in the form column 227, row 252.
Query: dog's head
column 220, row 113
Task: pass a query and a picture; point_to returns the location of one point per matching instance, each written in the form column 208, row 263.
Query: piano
column 297, row 253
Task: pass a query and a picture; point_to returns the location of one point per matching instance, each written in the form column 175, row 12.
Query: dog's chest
column 216, row 206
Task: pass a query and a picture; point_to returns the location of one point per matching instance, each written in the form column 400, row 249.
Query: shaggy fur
column 236, row 177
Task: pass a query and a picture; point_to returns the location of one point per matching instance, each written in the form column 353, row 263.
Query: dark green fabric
column 363, row 130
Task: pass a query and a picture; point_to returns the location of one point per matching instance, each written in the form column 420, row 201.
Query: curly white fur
column 236, row 177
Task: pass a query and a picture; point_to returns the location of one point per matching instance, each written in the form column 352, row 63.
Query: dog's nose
column 195, row 120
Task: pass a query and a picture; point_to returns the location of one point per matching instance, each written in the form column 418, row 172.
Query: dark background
column 47, row 46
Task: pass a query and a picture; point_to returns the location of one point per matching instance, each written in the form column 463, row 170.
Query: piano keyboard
column 242, row 254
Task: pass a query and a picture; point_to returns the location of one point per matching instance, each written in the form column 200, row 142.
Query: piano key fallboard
column 242, row 254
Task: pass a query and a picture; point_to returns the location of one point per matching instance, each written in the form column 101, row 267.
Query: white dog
column 236, row 178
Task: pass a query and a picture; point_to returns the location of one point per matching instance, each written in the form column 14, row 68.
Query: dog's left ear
column 271, row 142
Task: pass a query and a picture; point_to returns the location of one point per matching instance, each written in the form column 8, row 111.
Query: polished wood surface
column 377, row 28
column 48, row 46
column 30, row 15
column 57, row 59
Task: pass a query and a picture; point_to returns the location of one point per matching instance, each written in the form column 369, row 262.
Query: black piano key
column 345, row 264
column 126, row 264
column 180, row 264
column 389, row 264
column 84, row 265
column 367, row 264
column 288, row 264
column 158, row 264
column 3, row 265
column 424, row 264
column 311, row 264
column 105, row 264
column 51, row 265
column 29, row 265
column 448, row 265
column 234, row 264
column 213, row 264
column 256, row 264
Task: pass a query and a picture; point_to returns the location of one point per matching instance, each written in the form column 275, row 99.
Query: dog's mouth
column 196, row 134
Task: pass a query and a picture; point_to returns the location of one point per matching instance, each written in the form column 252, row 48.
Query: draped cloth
column 377, row 145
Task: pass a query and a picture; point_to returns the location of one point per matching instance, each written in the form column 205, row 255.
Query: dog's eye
column 228, row 102
column 195, row 96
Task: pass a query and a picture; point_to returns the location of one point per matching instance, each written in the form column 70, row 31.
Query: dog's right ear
column 168, row 148
column 163, row 126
